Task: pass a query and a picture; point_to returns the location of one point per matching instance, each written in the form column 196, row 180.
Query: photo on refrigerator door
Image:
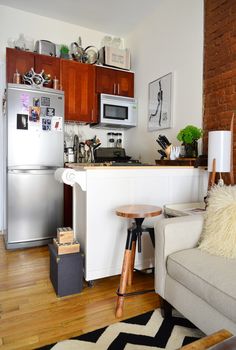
column 34, row 114
column 46, row 124
column 56, row 123
column 36, row 102
column 22, row 121
column 159, row 103
column 50, row 112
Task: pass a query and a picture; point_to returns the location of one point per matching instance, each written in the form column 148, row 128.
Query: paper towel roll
column 67, row 176
column 70, row 177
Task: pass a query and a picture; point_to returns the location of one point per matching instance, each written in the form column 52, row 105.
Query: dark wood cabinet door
column 17, row 60
column 50, row 65
column 105, row 81
column 114, row 82
column 125, row 83
column 78, row 83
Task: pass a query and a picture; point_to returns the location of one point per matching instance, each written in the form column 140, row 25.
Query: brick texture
column 219, row 67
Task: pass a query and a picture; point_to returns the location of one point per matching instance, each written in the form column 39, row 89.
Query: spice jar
column 55, row 84
column 110, row 139
column 16, row 78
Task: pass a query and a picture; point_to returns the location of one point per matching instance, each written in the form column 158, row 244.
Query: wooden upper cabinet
column 114, row 82
column 105, row 80
column 125, row 83
column 17, row 60
column 78, row 83
column 23, row 61
column 50, row 65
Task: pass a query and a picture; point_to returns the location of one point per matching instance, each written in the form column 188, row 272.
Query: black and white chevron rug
column 148, row 331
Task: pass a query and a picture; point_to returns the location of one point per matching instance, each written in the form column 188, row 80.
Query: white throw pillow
column 219, row 230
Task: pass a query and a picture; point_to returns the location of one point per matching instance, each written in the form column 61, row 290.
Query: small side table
column 134, row 233
column 66, row 272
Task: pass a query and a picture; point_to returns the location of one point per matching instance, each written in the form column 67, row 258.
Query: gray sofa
column 200, row 286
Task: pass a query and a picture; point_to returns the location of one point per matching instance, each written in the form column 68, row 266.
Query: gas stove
column 113, row 155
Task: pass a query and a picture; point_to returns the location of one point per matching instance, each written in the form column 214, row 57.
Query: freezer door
column 35, row 205
column 32, row 116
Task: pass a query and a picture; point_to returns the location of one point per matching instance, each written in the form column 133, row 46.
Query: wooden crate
column 66, row 248
column 65, row 235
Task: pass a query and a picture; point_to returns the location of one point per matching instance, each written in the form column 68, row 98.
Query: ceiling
column 117, row 17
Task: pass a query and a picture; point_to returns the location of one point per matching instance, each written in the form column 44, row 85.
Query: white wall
column 171, row 40
column 13, row 22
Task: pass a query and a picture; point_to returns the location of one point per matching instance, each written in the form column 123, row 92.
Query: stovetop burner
column 131, row 162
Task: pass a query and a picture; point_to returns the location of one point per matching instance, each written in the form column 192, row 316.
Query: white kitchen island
column 99, row 190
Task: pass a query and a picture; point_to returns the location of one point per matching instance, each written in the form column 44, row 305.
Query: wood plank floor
column 31, row 315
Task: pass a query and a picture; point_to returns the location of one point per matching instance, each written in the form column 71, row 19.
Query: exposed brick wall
column 219, row 67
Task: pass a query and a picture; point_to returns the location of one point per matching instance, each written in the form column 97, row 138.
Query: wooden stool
column 134, row 233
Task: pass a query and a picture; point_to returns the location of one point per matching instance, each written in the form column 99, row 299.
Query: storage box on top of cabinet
column 114, row 57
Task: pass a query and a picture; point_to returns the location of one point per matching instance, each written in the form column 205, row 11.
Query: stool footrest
column 151, row 269
column 134, row 293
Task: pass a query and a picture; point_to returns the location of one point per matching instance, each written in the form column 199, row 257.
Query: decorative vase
column 65, row 55
column 191, row 149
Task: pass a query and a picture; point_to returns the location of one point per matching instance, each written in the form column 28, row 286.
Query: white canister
column 71, row 155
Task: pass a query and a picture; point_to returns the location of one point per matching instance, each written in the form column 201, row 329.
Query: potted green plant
column 64, row 51
column 189, row 137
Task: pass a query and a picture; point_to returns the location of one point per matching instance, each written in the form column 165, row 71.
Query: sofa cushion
column 219, row 230
column 210, row 277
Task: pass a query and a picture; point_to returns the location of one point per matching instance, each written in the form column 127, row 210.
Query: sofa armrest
column 172, row 235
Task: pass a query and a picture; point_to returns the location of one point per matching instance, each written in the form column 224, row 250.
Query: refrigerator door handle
column 32, row 171
column 34, row 167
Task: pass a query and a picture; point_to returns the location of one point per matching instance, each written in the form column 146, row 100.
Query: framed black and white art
column 159, row 103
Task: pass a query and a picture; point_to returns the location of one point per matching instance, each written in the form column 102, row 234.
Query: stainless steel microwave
column 117, row 111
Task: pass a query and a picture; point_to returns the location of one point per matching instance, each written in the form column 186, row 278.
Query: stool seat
column 138, row 211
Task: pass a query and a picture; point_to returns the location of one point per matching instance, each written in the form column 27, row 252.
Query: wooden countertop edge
column 110, row 167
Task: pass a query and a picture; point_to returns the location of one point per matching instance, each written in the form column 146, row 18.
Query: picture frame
column 160, row 103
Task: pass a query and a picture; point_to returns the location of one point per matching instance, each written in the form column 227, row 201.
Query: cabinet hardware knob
column 118, row 89
column 114, row 89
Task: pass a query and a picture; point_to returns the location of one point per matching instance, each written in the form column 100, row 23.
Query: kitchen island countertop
column 103, row 166
column 99, row 190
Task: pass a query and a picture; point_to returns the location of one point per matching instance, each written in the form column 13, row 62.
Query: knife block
column 167, row 152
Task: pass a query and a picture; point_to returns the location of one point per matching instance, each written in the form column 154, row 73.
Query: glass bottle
column 110, row 139
column 119, row 140
column 115, row 137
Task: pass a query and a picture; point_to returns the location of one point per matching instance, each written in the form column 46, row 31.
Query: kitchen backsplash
column 84, row 133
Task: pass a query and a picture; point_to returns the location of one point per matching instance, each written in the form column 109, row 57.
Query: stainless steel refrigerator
column 34, row 150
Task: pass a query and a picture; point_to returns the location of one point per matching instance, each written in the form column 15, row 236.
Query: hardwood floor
column 31, row 315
